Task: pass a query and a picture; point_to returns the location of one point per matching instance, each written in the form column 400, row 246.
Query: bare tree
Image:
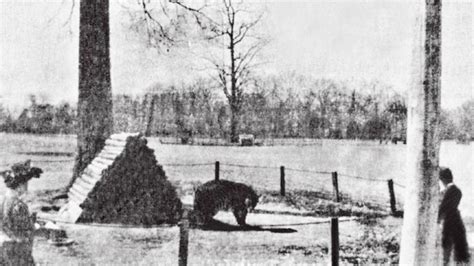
column 232, row 26
column 95, row 121
column 228, row 29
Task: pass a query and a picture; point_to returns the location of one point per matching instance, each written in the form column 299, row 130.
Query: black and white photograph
column 236, row 132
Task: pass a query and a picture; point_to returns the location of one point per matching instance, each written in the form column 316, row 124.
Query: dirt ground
column 295, row 239
column 270, row 239
column 279, row 234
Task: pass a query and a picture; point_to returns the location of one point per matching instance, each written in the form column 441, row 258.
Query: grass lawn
column 372, row 240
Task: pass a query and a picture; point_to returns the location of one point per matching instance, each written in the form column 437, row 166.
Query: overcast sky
column 345, row 40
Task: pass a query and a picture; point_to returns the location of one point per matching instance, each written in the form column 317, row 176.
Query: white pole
column 420, row 230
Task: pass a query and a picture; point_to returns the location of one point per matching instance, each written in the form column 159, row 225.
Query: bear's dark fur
column 213, row 196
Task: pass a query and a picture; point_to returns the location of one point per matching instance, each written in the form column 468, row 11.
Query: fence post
column 183, row 240
column 335, row 186
column 334, row 241
column 393, row 202
column 282, row 181
column 217, row 170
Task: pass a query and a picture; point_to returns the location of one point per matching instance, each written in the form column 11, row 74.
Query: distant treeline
column 41, row 118
column 330, row 112
column 325, row 109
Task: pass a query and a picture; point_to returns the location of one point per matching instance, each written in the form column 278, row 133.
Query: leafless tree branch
column 244, row 29
column 148, row 17
column 248, row 56
column 198, row 14
column 233, row 70
column 71, row 11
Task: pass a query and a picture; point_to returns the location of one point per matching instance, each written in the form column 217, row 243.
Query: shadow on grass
column 216, row 225
column 320, row 203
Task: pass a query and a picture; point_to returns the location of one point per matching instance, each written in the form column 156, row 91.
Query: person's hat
column 20, row 173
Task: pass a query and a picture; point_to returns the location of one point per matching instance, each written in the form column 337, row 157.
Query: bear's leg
column 240, row 215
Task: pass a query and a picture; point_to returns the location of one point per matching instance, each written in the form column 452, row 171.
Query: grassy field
column 368, row 160
column 187, row 166
column 354, row 158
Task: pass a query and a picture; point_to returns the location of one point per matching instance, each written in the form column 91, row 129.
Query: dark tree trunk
column 95, row 92
column 234, row 125
column 234, row 102
column 151, row 115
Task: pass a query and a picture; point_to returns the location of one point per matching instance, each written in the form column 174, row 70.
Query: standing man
column 453, row 231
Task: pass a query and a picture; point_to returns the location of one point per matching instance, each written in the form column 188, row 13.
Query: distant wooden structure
column 246, row 139
column 123, row 184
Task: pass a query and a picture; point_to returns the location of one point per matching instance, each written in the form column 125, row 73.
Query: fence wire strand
column 188, row 165
column 362, row 178
column 248, row 166
column 126, row 226
column 306, row 223
column 398, row 184
column 308, row 171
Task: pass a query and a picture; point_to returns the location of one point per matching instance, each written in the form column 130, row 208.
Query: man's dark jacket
column 454, row 232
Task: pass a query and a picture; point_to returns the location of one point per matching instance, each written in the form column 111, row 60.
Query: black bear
column 216, row 195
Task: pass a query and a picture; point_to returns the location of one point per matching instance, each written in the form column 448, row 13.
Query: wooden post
column 282, row 181
column 183, row 240
column 393, row 202
column 420, row 229
column 335, row 187
column 216, row 171
column 334, row 241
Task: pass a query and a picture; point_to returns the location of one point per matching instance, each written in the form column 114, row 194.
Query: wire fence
column 355, row 188
column 351, row 187
column 308, row 171
column 398, row 184
column 187, row 165
column 103, row 225
column 165, row 225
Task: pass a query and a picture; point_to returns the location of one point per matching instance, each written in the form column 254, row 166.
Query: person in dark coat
column 16, row 223
column 453, row 231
